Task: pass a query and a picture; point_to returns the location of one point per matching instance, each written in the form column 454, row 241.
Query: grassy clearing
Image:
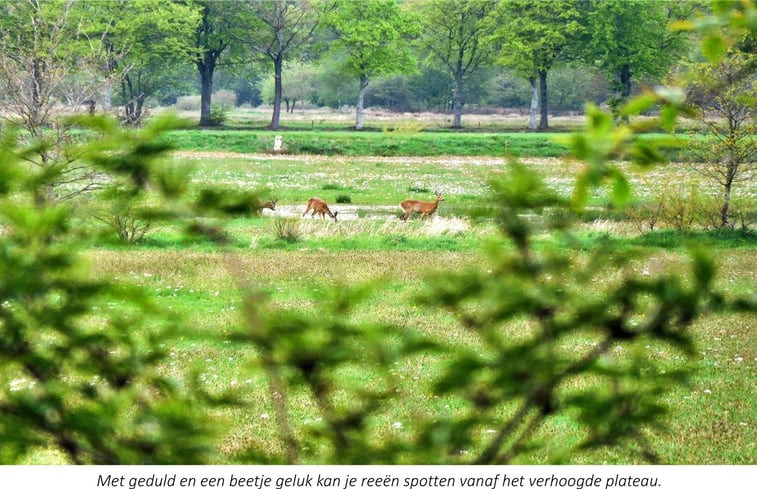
column 712, row 419
column 387, row 181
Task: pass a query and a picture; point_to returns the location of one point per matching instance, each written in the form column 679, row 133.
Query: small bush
column 686, row 210
column 418, row 189
column 124, row 222
column 343, row 199
column 218, row 114
column 287, row 229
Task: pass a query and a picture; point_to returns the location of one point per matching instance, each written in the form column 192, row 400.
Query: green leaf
column 621, row 190
column 713, row 47
column 639, row 104
column 668, row 116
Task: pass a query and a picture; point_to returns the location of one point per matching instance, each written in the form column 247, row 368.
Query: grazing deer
column 271, row 204
column 424, row 208
column 319, row 207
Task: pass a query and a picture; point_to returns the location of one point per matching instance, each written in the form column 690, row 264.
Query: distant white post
column 277, row 143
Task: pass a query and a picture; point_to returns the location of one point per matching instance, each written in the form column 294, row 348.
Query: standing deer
column 319, row 207
column 424, row 208
column 271, row 204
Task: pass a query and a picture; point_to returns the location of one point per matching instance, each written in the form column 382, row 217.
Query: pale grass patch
column 617, row 228
column 378, row 227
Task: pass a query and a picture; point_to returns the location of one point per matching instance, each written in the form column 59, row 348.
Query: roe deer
column 271, row 204
column 424, row 208
column 319, row 207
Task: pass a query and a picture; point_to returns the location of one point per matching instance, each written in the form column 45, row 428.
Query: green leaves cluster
column 374, row 34
column 79, row 356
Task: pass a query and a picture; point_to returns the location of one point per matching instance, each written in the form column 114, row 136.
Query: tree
column 214, row 36
column 300, row 85
column 374, row 35
column 45, row 54
column 282, row 27
column 723, row 97
column 533, row 35
column 631, row 38
column 156, row 39
column 454, row 35
column 36, row 58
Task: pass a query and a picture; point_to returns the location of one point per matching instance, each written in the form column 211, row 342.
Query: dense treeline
column 427, row 55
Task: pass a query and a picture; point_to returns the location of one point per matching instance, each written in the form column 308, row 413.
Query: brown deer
column 319, row 207
column 424, row 208
column 271, row 204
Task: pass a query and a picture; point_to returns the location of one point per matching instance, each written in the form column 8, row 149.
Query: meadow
column 712, row 420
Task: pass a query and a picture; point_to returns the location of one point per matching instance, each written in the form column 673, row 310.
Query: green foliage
column 557, row 331
column 631, row 38
column 374, row 35
column 722, row 95
column 532, row 35
column 343, row 199
column 218, row 114
column 82, row 352
column 287, row 229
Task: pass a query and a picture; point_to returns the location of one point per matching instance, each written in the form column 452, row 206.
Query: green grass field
column 713, row 420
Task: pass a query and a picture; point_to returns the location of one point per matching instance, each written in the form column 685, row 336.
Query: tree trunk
column 457, row 104
column 206, row 67
column 624, row 84
column 360, row 99
column 286, row 101
column 534, row 105
column 291, row 111
column 544, row 119
column 107, row 94
column 35, row 111
column 724, row 222
column 278, row 63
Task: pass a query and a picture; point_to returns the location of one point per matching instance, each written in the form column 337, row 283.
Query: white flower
column 707, row 391
column 264, row 416
column 739, row 359
column 397, row 425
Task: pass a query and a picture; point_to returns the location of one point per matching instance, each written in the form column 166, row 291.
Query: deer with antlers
column 319, row 207
column 418, row 206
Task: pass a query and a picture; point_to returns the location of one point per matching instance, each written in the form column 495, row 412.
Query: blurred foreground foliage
column 560, row 331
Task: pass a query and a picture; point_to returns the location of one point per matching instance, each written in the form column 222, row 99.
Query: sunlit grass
column 712, row 420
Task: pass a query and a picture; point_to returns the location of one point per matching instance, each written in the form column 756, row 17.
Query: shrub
column 343, row 199
column 127, row 226
column 287, row 229
column 188, row 102
column 218, row 115
column 418, row 189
